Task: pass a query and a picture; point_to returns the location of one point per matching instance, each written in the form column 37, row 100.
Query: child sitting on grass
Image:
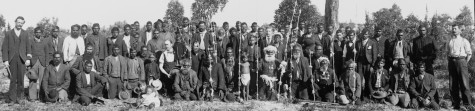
column 151, row 98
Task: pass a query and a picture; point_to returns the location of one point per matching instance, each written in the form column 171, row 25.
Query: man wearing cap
column 298, row 74
column 73, row 45
column 147, row 34
column 56, row 80
column 99, row 43
column 325, row 80
column 89, row 85
column 268, row 69
column 459, row 53
column 422, row 88
column 115, row 70
column 350, row 84
column 115, row 40
column 186, row 82
column 399, row 84
column 39, row 53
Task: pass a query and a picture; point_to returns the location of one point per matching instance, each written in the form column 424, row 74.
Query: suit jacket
column 424, row 87
column 368, row 51
column 144, row 37
column 108, row 64
column 424, row 50
column 84, row 89
column 119, row 42
column 14, row 45
column 141, row 69
column 51, row 47
column 183, row 83
column 381, row 46
column 407, row 50
column 78, row 65
column 39, row 51
column 384, row 81
column 305, row 75
column 207, row 39
column 394, row 81
column 99, row 43
column 345, row 84
column 53, row 78
column 326, row 45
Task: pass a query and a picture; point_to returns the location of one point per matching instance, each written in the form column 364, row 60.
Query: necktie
column 55, row 43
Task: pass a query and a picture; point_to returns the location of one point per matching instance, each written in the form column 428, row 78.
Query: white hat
column 157, row 84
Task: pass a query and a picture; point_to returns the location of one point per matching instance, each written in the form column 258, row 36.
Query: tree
column 204, row 10
column 369, row 22
column 308, row 13
column 174, row 12
column 47, row 24
column 465, row 17
column 389, row 20
column 2, row 22
column 331, row 14
column 412, row 23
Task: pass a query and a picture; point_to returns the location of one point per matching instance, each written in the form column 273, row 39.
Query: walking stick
column 285, row 50
column 257, row 78
column 313, row 87
column 239, row 67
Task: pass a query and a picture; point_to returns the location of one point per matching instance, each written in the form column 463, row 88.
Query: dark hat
column 31, row 74
column 53, row 94
column 124, row 95
column 379, row 94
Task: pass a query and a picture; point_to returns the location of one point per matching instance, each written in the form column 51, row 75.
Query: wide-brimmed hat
column 31, row 74
column 379, row 94
column 343, row 100
column 156, row 84
column 140, row 88
column 123, row 95
column 393, row 99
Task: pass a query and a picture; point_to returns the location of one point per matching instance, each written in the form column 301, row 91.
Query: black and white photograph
column 237, row 55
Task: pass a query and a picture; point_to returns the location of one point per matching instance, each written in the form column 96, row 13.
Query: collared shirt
column 378, row 78
column 399, row 53
column 202, row 40
column 127, row 41
column 365, row 41
column 459, row 47
column 17, row 32
column 70, row 46
column 88, row 78
column 148, row 35
column 57, row 67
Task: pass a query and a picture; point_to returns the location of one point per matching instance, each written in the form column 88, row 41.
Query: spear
column 239, row 62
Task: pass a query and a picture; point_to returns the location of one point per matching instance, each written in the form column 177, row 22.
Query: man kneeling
column 422, row 88
column 89, row 85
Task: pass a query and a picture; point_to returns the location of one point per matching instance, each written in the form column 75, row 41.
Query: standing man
column 154, row 44
column 115, row 70
column 148, row 34
column 380, row 42
column 135, row 71
column 73, row 46
column 424, row 49
column 127, row 37
column 55, row 43
column 365, row 58
column 39, row 53
column 84, row 31
column 136, row 26
column 98, row 42
column 17, row 54
column 116, row 40
column 459, row 53
column 398, row 49
column 201, row 37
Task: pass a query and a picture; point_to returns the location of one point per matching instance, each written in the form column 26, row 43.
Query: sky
column 106, row 12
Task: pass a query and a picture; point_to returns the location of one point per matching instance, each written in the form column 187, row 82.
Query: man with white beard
column 269, row 69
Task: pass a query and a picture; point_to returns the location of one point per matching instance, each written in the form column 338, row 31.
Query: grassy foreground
column 115, row 105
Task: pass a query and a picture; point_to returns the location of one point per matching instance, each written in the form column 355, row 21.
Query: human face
column 379, row 33
column 152, row 57
column 75, row 32
column 186, row 23
column 319, row 50
column 455, row 30
column 229, row 52
column 381, row 64
column 149, row 27
column 422, row 31
column 116, row 51
column 115, row 34
column 88, row 68
column 253, row 41
column 126, row 30
column 185, row 66
column 400, row 35
column 89, row 49
column 351, row 36
column 261, row 32
column 421, row 69
column 196, row 47
column 168, row 45
column 155, row 34
column 339, row 36
column 366, row 35
column 137, row 26
column 95, row 30
column 351, row 68
column 243, row 28
column 149, row 90
column 133, row 53
column 55, row 33
column 226, row 27
column 19, row 23
column 295, row 55
column 143, row 52
column 245, row 59
column 56, row 59
column 38, row 34
column 202, row 27
column 320, row 28
column 402, row 66
column 254, row 27
column 83, row 30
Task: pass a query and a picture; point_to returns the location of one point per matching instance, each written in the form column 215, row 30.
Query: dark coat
column 305, row 75
column 424, row 49
column 39, row 51
column 407, row 50
column 83, row 89
column 14, row 45
column 368, row 51
column 394, row 81
column 422, row 87
column 100, row 45
column 119, row 42
column 183, row 83
column 50, row 47
column 56, row 79
column 384, row 81
column 208, row 40
column 78, row 65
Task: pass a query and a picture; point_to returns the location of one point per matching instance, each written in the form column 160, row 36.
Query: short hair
column 225, row 23
column 149, row 22
column 89, row 45
column 58, row 52
column 351, row 32
column 38, row 28
column 75, row 25
column 421, row 63
column 20, row 17
column 115, row 46
column 399, row 31
column 456, row 25
column 115, row 29
column 201, row 22
column 55, row 27
column 133, row 49
column 339, row 31
column 244, row 23
column 136, row 22
column 87, row 62
column 380, row 59
column 126, row 25
column 185, row 61
column 83, row 25
column 186, row 18
column 254, row 23
column 95, row 25
column 378, row 28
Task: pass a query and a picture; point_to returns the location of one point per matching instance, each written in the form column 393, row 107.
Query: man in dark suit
column 116, row 40
column 203, row 38
column 56, row 80
column 39, row 52
column 398, row 49
column 89, row 85
column 147, row 34
column 16, row 54
column 54, row 43
column 99, row 43
column 422, row 89
column 365, row 58
column 424, row 49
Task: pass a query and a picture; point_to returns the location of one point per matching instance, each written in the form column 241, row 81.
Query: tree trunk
column 331, row 15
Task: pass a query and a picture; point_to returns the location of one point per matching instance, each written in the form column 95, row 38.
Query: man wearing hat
column 422, row 89
column 268, row 69
column 89, row 85
column 298, row 74
column 56, row 80
column 399, row 84
column 186, row 82
column 325, row 81
column 350, row 84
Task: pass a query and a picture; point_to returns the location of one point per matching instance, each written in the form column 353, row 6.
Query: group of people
column 203, row 62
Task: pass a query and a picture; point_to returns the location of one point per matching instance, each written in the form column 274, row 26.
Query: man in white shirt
column 73, row 45
column 459, row 53
column 147, row 36
column 126, row 36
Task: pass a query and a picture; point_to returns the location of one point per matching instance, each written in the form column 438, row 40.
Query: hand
column 313, row 91
column 57, row 89
column 37, row 86
column 283, row 64
column 27, row 62
column 280, row 82
column 331, row 54
column 354, row 51
column 107, row 86
column 6, row 64
column 420, row 98
column 211, row 80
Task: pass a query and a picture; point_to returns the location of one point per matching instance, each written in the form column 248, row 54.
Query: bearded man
column 269, row 69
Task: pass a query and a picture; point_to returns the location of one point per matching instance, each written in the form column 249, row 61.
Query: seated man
column 350, row 85
column 399, row 84
column 299, row 73
column 378, row 82
column 89, row 85
column 186, row 82
column 56, row 80
column 422, row 88
column 325, row 80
